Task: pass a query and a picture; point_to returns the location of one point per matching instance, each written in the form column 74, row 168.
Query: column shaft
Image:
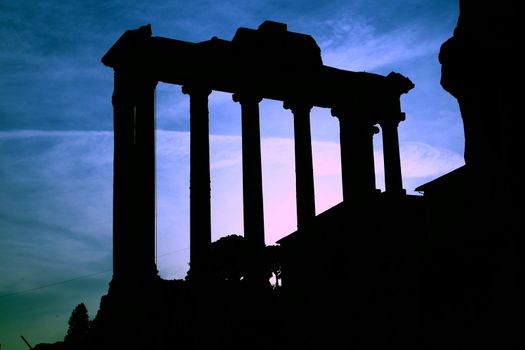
column 200, row 190
column 134, row 177
column 391, row 157
column 304, row 176
column 253, row 209
column 357, row 157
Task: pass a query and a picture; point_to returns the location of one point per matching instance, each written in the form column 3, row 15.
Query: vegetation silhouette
column 378, row 270
column 79, row 324
column 228, row 258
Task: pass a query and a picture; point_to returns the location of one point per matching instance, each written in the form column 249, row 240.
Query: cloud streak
column 52, row 170
column 56, row 186
column 358, row 46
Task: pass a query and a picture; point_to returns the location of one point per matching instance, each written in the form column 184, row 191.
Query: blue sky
column 56, row 134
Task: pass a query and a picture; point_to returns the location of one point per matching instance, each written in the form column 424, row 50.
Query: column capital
column 297, row 106
column 138, row 78
column 193, row 89
column 338, row 112
column 129, row 86
column 244, row 97
column 354, row 114
column 392, row 119
column 362, row 120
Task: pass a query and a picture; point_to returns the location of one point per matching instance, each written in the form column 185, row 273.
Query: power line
column 54, row 284
column 172, row 252
column 75, row 278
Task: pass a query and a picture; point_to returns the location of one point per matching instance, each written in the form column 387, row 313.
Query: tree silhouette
column 78, row 326
column 228, row 258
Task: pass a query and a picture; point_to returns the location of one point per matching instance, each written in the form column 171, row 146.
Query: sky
column 56, row 135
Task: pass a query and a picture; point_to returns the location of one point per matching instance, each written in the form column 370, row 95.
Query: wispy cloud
column 56, row 201
column 58, row 188
column 359, row 46
column 25, row 134
column 55, row 225
column 419, row 162
column 422, row 160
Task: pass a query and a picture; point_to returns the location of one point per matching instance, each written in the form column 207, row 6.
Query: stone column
column 304, row 176
column 134, row 178
column 200, row 191
column 391, row 157
column 357, row 155
column 251, row 170
column 253, row 209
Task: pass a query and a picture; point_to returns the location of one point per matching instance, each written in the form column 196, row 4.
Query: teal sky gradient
column 56, row 138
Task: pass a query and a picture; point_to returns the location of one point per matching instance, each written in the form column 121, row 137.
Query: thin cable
column 54, row 284
column 173, row 252
column 76, row 278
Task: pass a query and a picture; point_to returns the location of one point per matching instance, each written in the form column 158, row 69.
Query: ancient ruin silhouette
column 270, row 62
column 381, row 268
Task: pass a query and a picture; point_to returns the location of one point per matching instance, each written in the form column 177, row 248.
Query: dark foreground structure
column 378, row 270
